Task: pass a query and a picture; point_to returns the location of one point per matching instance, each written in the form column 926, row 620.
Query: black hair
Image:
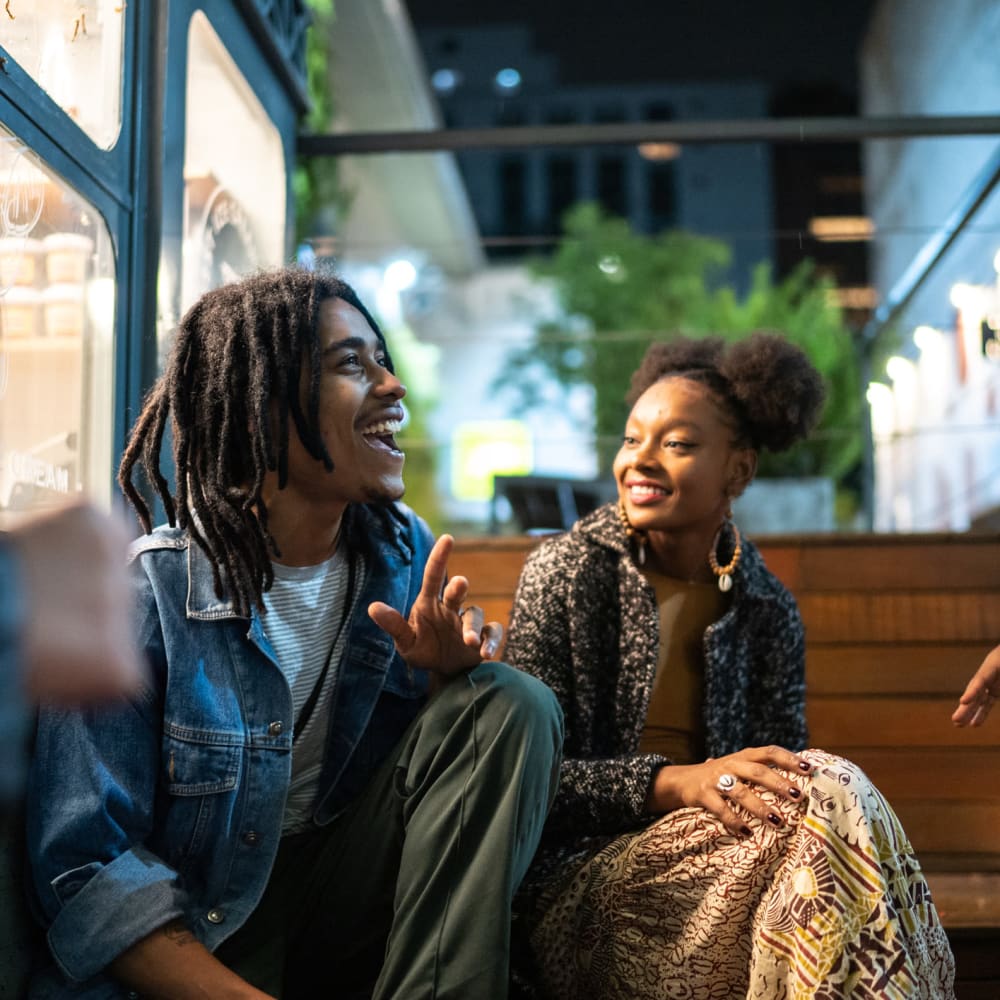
column 767, row 386
column 238, row 350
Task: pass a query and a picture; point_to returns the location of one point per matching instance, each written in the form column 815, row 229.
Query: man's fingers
column 472, row 625
column 392, row 622
column 436, row 569
column 492, row 635
column 456, row 590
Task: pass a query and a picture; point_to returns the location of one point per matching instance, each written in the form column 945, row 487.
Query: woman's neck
column 681, row 555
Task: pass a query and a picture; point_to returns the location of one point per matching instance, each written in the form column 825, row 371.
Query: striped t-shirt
column 303, row 612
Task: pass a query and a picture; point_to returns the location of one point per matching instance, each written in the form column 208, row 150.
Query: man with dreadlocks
column 284, row 811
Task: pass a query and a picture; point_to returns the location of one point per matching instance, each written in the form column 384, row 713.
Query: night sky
column 783, row 42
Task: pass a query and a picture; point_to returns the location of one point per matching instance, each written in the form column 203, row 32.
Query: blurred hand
column 980, row 693
column 78, row 641
column 439, row 636
column 678, row 785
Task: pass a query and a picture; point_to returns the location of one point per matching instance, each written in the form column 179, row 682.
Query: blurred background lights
column 400, row 275
column 899, row 369
column 507, row 80
column 962, row 295
column 445, row 81
column 926, row 338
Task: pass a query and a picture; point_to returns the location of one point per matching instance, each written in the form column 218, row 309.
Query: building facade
column 936, row 409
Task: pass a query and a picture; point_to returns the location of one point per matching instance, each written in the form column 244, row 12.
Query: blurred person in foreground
column 695, row 848
column 284, row 811
column 980, row 694
column 65, row 623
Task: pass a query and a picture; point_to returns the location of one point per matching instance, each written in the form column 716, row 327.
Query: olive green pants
column 407, row 893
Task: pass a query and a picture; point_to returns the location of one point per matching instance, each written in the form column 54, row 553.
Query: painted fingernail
column 746, row 831
column 774, row 818
column 794, row 792
column 804, row 765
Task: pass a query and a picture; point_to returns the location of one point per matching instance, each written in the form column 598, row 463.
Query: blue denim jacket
column 171, row 805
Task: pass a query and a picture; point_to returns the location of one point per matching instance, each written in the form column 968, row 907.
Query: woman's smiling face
column 679, row 464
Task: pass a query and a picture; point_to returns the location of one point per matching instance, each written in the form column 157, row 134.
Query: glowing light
column 659, row 150
column 400, row 275
column 482, row 449
column 962, row 296
column 881, row 404
column 445, row 81
column 841, row 228
column 926, row 338
column 899, row 369
column 508, row 79
column 878, row 394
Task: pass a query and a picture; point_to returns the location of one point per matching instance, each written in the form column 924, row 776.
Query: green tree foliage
column 316, row 182
column 619, row 291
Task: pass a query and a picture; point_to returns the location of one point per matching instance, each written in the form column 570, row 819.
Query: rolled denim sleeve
column 91, row 804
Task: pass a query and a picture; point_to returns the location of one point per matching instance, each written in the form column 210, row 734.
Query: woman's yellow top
column 674, row 724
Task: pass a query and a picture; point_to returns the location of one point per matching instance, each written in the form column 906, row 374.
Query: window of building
column 661, row 188
column 510, row 113
column 560, row 173
column 512, row 195
column 658, row 111
column 611, row 184
column 57, row 308
column 560, row 114
column 605, row 114
column 74, row 52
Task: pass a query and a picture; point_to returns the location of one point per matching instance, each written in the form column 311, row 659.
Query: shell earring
column 639, row 537
column 725, row 573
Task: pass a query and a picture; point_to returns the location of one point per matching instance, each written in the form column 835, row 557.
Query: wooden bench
column 895, row 626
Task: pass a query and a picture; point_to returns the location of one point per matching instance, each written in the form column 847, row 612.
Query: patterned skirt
column 831, row 905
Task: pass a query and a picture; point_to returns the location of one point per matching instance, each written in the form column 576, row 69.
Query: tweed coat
column 586, row 622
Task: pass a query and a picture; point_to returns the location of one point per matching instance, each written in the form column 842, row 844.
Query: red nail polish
column 804, row 765
column 773, row 818
column 794, row 792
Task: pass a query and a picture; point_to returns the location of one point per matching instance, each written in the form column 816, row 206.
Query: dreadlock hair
column 232, row 381
column 766, row 385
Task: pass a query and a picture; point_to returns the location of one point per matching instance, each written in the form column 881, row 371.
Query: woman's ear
column 742, row 469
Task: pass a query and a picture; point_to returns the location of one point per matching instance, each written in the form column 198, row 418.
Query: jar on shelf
column 64, row 310
column 19, row 261
column 20, row 313
column 66, row 257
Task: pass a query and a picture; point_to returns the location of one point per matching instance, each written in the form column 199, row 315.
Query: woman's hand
column 980, row 693
column 440, row 636
column 705, row 785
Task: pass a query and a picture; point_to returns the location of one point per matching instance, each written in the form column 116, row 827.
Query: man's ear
column 742, row 469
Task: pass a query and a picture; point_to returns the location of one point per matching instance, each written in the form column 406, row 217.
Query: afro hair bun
column 767, row 384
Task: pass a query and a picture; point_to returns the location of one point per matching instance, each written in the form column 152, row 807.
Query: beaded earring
column 725, row 573
column 639, row 537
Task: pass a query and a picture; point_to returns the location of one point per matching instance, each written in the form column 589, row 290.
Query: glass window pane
column 234, row 219
column 74, row 51
column 57, row 302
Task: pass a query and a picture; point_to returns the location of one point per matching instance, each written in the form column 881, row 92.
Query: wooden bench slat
column 967, row 565
column 873, row 617
column 893, row 668
column 896, row 721
column 942, row 774
column 966, row 828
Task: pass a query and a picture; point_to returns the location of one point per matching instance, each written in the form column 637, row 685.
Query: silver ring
column 726, row 783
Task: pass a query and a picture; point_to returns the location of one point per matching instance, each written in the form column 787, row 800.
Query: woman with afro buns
column 695, row 848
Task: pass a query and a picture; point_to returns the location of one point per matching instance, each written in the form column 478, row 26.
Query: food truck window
column 57, row 308
column 74, row 52
column 234, row 172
